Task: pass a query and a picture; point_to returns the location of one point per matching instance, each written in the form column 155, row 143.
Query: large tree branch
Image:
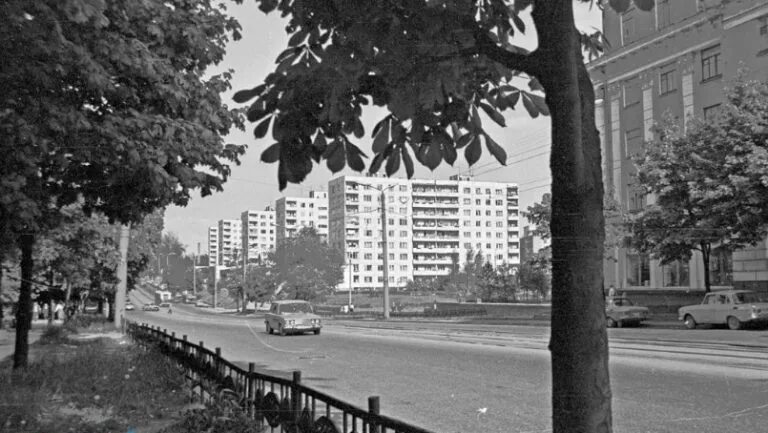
column 519, row 61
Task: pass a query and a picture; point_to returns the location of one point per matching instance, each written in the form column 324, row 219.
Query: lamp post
column 385, row 252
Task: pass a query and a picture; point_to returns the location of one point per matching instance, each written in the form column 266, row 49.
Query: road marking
column 271, row 346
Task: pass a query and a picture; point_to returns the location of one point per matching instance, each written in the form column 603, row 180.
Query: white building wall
column 258, row 233
column 425, row 225
column 213, row 245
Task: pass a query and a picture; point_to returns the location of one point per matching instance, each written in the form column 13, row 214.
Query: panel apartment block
column 431, row 225
column 230, row 242
column 293, row 213
column 673, row 61
column 258, row 230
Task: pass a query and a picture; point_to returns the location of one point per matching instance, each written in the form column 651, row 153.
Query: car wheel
column 689, row 322
column 734, row 323
column 611, row 323
column 281, row 330
column 269, row 329
column 317, row 332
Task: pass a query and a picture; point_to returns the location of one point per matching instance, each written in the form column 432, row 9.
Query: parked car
column 734, row 308
column 292, row 317
column 129, row 306
column 150, row 307
column 620, row 311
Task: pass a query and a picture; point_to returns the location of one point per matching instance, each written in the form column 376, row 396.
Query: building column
column 648, row 119
column 687, row 74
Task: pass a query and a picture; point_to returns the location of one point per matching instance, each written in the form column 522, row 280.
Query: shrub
column 54, row 335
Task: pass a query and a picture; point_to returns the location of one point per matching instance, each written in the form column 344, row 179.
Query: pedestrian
column 611, row 291
column 58, row 310
column 170, row 309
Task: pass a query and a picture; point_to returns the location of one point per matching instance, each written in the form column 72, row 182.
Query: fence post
column 373, row 408
column 296, row 399
column 185, row 345
column 217, row 363
column 250, row 395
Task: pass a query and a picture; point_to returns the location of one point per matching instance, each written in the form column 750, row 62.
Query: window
column 638, row 270
column 478, row 213
column 487, row 213
column 368, row 279
column 403, row 268
column 391, row 221
column 662, row 13
column 403, row 187
column 467, row 246
column 403, row 245
column 403, row 233
column 721, row 268
column 499, row 192
column 499, row 213
column 487, row 202
column 710, row 63
column 368, row 244
column 478, row 202
column 478, row 191
column 499, row 223
column 487, row 223
column 403, row 211
column 667, row 82
column 675, row 274
column 366, row 198
column 467, row 201
column 368, row 256
column 633, row 142
column 403, row 256
column 478, row 224
column 627, row 27
column 467, row 212
column 369, row 267
column 355, row 279
column 499, row 202
column 478, row 234
column 711, row 111
column 631, row 92
column 403, row 222
column 392, row 256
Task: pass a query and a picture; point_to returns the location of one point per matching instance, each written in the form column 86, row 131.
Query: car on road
column 201, row 304
column 291, row 317
column 150, row 307
column 129, row 306
column 620, row 311
column 734, row 308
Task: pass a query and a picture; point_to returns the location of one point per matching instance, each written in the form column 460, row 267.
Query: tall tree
column 307, row 267
column 107, row 104
column 709, row 183
column 435, row 65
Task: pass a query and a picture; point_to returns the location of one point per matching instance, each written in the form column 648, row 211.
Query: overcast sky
column 253, row 184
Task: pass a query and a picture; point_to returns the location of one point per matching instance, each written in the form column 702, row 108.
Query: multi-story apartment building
column 230, row 241
column 675, row 60
column 258, row 229
column 293, row 213
column 431, row 225
column 530, row 244
column 213, row 245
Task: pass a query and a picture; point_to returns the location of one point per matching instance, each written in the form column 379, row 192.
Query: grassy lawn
column 94, row 379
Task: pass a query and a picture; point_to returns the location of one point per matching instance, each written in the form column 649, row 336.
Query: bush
column 54, row 335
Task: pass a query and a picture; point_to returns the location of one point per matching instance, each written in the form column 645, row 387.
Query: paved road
column 438, row 375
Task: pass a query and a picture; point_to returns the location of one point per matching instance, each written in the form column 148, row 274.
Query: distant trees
column 709, row 184
column 307, row 268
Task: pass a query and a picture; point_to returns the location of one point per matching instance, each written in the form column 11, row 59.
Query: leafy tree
column 306, row 266
column 709, row 183
column 540, row 215
column 434, row 66
column 260, row 283
column 536, row 273
column 106, row 104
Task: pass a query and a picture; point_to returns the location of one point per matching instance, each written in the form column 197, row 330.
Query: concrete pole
column 122, row 274
column 385, row 252
column 349, row 263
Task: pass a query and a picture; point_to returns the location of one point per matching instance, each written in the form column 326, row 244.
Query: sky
column 253, row 184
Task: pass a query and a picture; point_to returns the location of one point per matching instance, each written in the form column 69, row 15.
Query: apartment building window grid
column 710, row 63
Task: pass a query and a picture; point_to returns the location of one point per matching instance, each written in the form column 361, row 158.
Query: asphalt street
column 438, row 375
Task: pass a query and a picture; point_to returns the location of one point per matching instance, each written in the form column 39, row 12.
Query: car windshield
column 746, row 298
column 621, row 302
column 296, row 308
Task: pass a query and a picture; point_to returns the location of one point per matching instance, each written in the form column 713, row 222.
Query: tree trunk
column 2, row 311
column 50, row 297
column 706, row 253
column 100, row 309
column 581, row 393
column 111, row 306
column 24, row 306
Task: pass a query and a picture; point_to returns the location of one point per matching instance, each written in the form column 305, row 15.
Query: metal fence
column 280, row 404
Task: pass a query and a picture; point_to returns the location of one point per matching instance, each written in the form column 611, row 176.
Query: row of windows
column 677, row 274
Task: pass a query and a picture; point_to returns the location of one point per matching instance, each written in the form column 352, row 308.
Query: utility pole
column 122, row 275
column 349, row 263
column 385, row 252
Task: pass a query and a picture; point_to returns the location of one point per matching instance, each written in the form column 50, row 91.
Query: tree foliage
column 106, row 105
column 307, row 268
column 709, row 184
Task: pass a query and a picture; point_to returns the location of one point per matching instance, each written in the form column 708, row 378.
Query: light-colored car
column 150, row 307
column 734, row 308
column 292, row 317
column 129, row 307
column 620, row 311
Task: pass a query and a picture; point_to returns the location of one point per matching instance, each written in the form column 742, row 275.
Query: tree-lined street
column 437, row 375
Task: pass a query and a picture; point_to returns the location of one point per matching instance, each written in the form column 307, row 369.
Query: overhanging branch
column 518, row 61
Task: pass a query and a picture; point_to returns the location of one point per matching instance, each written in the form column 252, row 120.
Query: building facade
column 230, row 242
column 258, row 233
column 430, row 226
column 294, row 213
column 673, row 61
column 213, row 245
column 530, row 244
